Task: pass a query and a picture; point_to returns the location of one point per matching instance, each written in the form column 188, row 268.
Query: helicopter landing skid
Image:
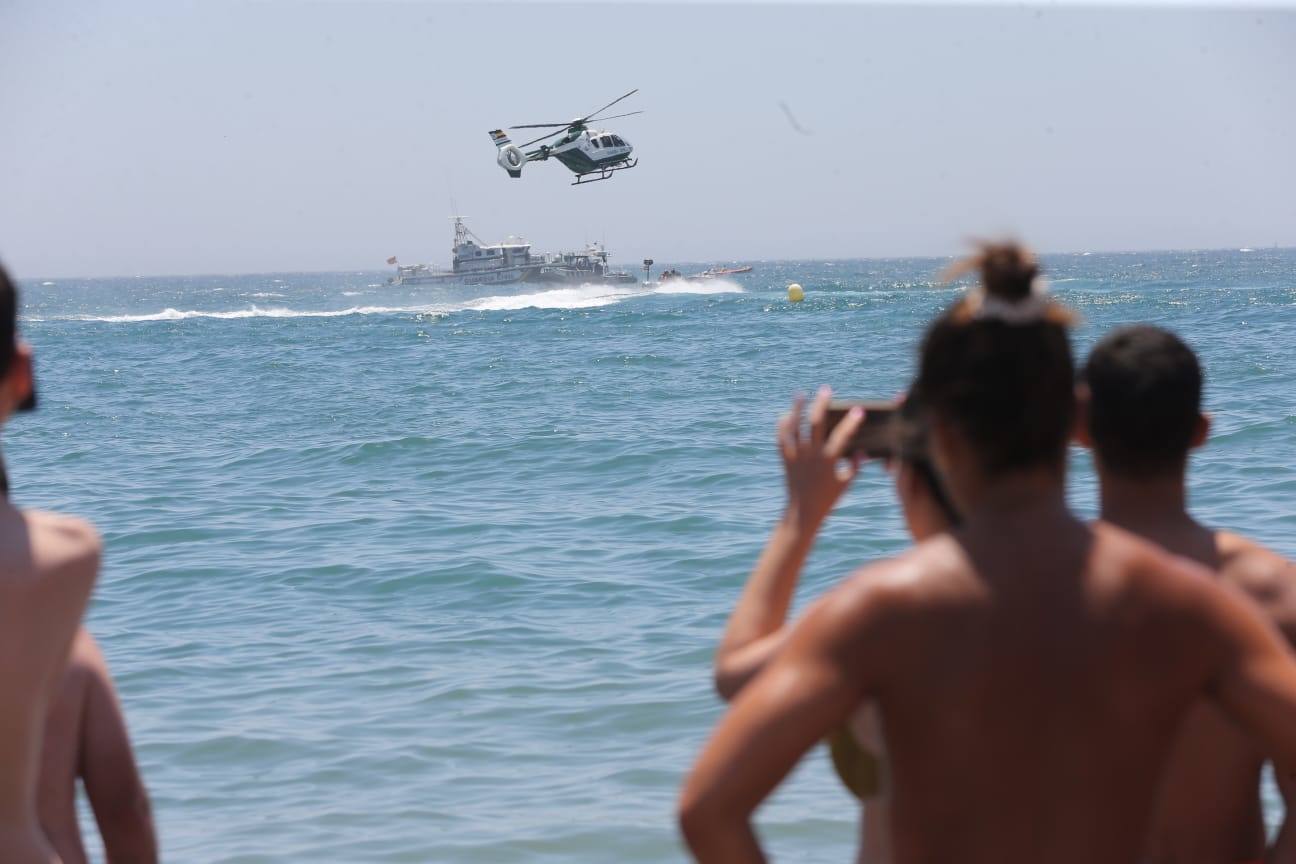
column 603, row 173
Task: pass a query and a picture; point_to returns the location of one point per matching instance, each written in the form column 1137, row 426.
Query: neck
column 1037, row 492
column 1141, row 502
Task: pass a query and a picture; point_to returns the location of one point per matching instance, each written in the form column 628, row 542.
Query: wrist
column 799, row 522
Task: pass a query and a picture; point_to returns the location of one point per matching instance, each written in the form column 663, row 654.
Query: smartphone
column 878, row 436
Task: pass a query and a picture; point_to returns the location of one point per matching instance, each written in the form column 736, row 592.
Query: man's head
column 17, row 389
column 1141, row 397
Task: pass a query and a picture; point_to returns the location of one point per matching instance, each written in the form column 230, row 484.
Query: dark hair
column 8, row 321
column 9, row 333
column 1145, row 389
column 911, row 448
column 997, row 365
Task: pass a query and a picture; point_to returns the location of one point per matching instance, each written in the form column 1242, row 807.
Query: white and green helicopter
column 591, row 154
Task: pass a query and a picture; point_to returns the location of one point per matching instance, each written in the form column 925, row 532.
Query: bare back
column 1209, row 809
column 1031, row 696
column 1031, row 673
column 48, row 564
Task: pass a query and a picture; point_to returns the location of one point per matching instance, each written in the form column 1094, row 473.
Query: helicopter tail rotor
column 510, row 156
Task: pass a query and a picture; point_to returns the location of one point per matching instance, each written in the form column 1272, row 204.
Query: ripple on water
column 395, row 587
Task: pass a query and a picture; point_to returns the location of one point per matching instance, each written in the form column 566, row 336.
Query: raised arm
column 112, row 780
column 809, row 688
column 815, row 481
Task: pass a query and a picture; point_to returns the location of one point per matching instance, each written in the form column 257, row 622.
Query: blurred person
column 757, row 628
column 1030, row 670
column 1140, row 412
column 86, row 739
column 48, row 565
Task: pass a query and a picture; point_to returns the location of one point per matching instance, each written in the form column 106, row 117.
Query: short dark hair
column 9, row 333
column 1145, row 390
column 8, row 321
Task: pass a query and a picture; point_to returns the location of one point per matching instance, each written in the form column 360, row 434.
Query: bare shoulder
column 61, row 535
column 883, row 603
column 1265, row 576
column 931, row 569
column 1126, row 565
column 1249, row 564
column 61, row 546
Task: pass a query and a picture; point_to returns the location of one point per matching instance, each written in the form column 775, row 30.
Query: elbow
column 725, row 685
column 709, row 829
column 690, row 816
column 728, row 679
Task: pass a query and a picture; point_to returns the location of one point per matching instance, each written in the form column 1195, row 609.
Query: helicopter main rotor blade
column 609, row 105
column 541, row 138
column 618, row 116
column 541, row 125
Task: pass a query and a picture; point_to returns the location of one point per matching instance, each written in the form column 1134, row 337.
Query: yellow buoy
column 795, row 294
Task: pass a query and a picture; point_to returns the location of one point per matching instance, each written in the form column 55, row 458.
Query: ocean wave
column 586, row 296
column 582, row 297
column 170, row 314
column 589, row 296
column 709, row 286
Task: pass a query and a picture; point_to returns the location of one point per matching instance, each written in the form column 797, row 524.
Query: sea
column 425, row 573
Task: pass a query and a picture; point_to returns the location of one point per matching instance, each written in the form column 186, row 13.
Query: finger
column 787, row 435
column 842, row 436
column 819, row 416
column 798, row 410
column 847, row 472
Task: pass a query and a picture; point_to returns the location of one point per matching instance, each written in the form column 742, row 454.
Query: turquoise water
column 425, row 574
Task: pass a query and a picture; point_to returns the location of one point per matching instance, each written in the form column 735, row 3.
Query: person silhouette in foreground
column 48, row 565
column 1140, row 411
column 86, row 739
column 1030, row 669
column 757, row 627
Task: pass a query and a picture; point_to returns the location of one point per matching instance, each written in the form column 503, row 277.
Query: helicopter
column 586, row 152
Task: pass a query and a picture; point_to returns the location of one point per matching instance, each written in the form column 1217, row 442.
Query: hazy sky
column 193, row 137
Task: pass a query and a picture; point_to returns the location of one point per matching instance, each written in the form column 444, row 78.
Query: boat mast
column 462, row 232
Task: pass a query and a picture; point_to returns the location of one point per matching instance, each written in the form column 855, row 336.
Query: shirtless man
column 48, row 565
column 1030, row 670
column 1141, row 413
column 86, row 738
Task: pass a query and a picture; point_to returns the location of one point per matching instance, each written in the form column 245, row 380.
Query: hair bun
column 1011, row 289
column 1007, row 270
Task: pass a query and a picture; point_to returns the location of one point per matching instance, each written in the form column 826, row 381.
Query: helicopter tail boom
column 510, row 156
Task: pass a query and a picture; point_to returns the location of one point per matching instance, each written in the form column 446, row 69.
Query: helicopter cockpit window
column 607, row 140
column 595, row 142
column 616, row 139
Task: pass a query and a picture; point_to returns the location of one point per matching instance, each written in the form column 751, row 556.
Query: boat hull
column 530, row 275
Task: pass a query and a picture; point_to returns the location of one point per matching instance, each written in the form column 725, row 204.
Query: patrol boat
column 476, row 263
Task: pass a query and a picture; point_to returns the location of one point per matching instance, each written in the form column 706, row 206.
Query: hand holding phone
column 878, row 436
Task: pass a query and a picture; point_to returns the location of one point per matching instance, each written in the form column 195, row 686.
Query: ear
column 17, row 385
column 944, row 445
column 1201, row 431
column 1080, row 428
